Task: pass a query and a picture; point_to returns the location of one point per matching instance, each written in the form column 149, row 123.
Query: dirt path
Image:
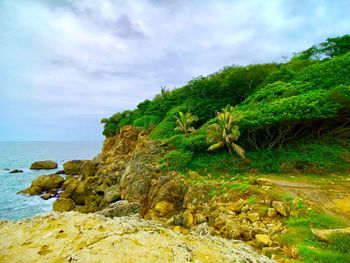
column 331, row 195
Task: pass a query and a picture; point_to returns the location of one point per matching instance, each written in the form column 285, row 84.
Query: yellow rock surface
column 75, row 237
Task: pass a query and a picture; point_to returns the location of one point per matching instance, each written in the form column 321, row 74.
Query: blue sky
column 65, row 64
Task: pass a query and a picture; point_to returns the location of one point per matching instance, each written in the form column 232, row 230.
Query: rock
column 48, row 182
column 16, row 171
column 40, row 165
column 87, row 169
column 112, row 194
column 262, row 240
column 72, row 167
column 79, row 193
column 76, row 237
column 237, row 207
column 121, row 208
column 271, row 212
column 46, row 196
column 326, row 234
column 44, row 183
column 63, row 204
column 253, row 217
column 33, row 190
column 163, row 208
column 177, row 220
column 264, row 182
column 199, row 218
column 60, row 172
column 270, row 250
column 281, row 208
column 187, row 219
column 97, row 159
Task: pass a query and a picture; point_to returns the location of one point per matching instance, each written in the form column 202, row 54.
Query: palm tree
column 224, row 132
column 184, row 121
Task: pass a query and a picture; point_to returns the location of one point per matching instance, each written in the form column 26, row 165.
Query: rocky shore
column 126, row 179
column 76, row 237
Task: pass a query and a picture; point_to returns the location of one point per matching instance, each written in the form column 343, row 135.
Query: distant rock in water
column 76, row 237
column 60, row 172
column 43, row 165
column 16, row 171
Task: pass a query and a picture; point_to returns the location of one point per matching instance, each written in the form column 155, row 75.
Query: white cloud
column 79, row 61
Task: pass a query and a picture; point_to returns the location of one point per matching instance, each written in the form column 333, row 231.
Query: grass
column 310, row 248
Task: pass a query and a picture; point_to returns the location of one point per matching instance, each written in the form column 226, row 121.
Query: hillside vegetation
column 282, row 117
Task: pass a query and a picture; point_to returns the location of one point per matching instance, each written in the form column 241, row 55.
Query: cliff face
column 126, row 169
column 76, row 237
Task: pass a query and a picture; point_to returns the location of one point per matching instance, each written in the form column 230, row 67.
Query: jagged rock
column 43, row 165
column 46, row 196
column 97, row 159
column 33, row 190
column 264, row 181
column 87, row 169
column 163, row 208
column 76, row 237
column 253, row 217
column 121, row 208
column 199, row 218
column 281, row 208
column 15, row 171
column 262, row 240
column 63, row 204
column 177, row 220
column 72, row 167
column 44, row 183
column 271, row 212
column 326, row 234
column 112, row 194
column 237, row 207
column 187, row 219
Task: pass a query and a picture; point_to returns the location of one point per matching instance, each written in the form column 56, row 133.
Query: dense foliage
column 280, row 108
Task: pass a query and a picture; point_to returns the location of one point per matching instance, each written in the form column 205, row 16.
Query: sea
column 20, row 155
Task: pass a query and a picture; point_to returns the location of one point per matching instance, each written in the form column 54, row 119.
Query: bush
column 177, row 160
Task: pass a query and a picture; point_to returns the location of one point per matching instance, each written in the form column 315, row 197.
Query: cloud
column 69, row 63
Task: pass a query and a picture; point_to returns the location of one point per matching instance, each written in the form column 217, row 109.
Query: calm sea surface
column 20, row 155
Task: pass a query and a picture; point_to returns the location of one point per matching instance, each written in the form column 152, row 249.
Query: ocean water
column 20, row 155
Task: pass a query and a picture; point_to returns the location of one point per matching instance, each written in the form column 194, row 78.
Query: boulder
column 72, row 167
column 237, row 207
column 33, row 190
column 121, row 208
column 43, row 165
column 112, row 194
column 281, row 208
column 326, row 234
column 46, row 196
column 63, row 204
column 60, row 172
column 16, row 171
column 271, row 212
column 264, row 181
column 44, row 183
column 262, row 240
column 187, row 219
column 253, row 217
column 163, row 208
column 48, row 182
column 87, row 169
column 79, row 193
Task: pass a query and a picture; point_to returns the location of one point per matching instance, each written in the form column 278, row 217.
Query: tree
column 224, row 132
column 184, row 121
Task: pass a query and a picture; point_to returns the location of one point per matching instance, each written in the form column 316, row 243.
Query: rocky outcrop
column 44, row 183
column 327, row 234
column 72, row 167
column 121, row 208
column 43, row 165
column 75, row 237
column 15, row 171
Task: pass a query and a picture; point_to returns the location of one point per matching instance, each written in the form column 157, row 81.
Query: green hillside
column 291, row 116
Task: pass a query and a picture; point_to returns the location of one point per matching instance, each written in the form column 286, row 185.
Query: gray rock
column 121, row 208
column 16, row 171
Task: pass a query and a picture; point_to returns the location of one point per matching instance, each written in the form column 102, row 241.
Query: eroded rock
column 43, row 165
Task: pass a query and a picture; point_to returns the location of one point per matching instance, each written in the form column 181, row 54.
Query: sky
column 65, row 64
